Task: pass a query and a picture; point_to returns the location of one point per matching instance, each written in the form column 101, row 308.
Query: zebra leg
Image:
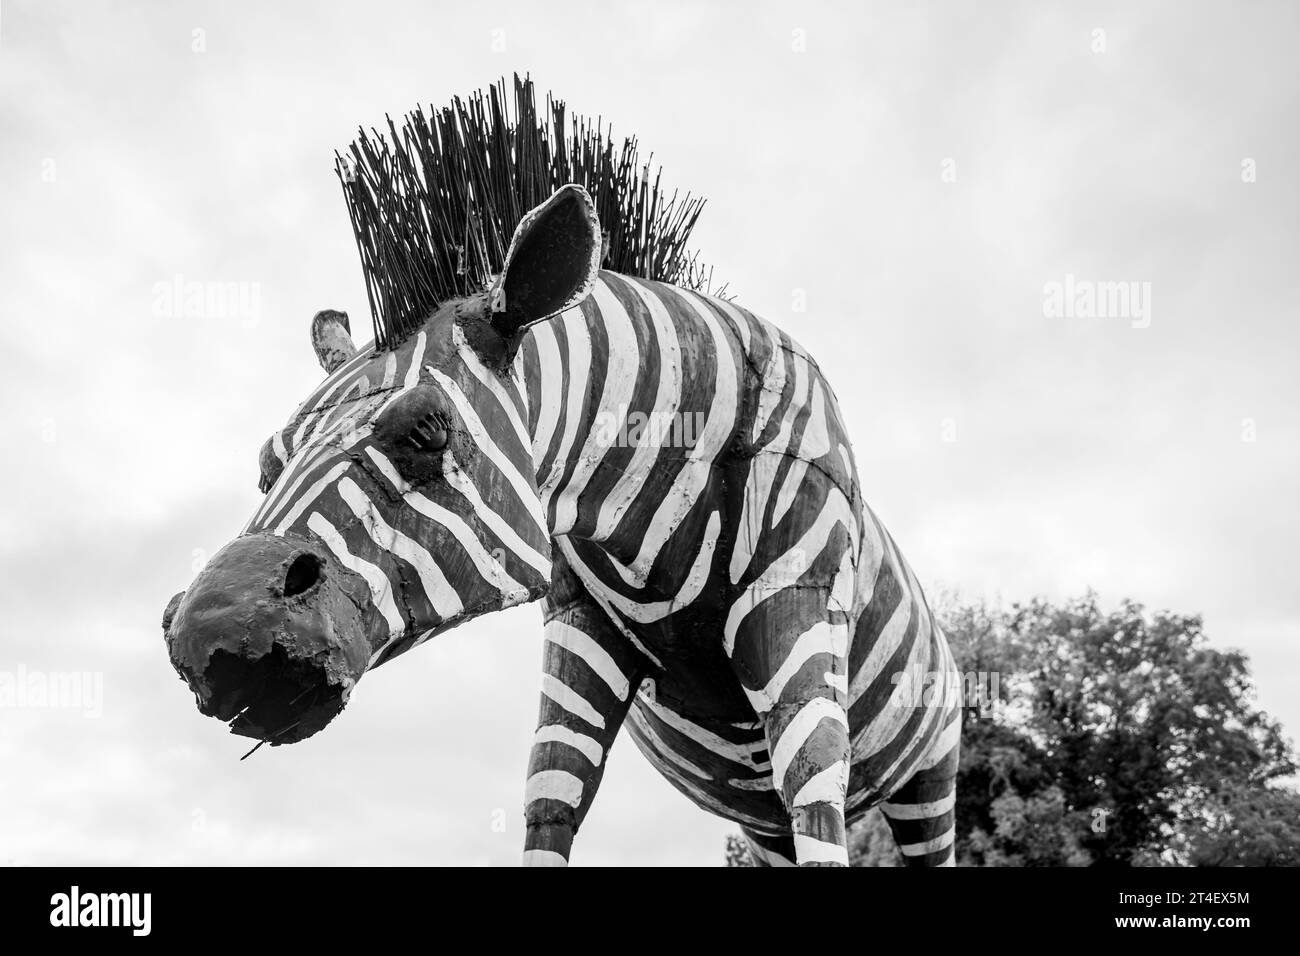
column 767, row 850
column 808, row 739
column 796, row 688
column 795, row 680
column 589, row 671
column 922, row 814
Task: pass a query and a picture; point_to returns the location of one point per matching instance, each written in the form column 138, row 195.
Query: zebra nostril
column 304, row 574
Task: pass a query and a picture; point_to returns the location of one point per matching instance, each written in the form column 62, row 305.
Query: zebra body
column 741, row 577
column 717, row 585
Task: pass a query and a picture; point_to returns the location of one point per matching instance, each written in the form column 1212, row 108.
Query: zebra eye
column 428, row 433
column 269, row 467
column 413, row 432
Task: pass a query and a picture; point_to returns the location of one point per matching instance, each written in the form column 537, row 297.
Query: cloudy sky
column 895, row 184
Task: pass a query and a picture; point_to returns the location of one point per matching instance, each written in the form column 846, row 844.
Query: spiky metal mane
column 434, row 204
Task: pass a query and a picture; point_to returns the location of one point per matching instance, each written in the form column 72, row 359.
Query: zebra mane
column 433, row 205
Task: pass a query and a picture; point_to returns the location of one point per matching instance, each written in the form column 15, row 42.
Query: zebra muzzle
column 271, row 637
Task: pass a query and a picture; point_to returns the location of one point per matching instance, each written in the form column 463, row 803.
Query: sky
column 927, row 196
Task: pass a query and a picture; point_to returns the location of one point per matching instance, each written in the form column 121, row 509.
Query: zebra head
column 400, row 500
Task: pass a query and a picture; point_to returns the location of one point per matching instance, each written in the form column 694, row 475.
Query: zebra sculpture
column 667, row 472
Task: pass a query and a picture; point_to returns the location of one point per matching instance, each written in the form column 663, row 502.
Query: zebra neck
column 615, row 412
column 574, row 413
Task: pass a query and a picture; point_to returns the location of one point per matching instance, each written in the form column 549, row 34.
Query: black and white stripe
column 740, row 581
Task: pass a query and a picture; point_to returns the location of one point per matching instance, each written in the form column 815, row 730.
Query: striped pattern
column 435, row 556
column 588, row 676
column 730, row 598
column 755, row 541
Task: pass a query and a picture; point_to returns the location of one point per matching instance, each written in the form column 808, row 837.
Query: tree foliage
column 1116, row 738
column 737, row 851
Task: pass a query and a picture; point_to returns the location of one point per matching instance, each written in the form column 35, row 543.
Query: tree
column 737, row 851
column 1124, row 734
column 1250, row 826
column 871, row 843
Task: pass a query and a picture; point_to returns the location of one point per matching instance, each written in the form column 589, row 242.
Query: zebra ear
column 331, row 337
column 551, row 264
